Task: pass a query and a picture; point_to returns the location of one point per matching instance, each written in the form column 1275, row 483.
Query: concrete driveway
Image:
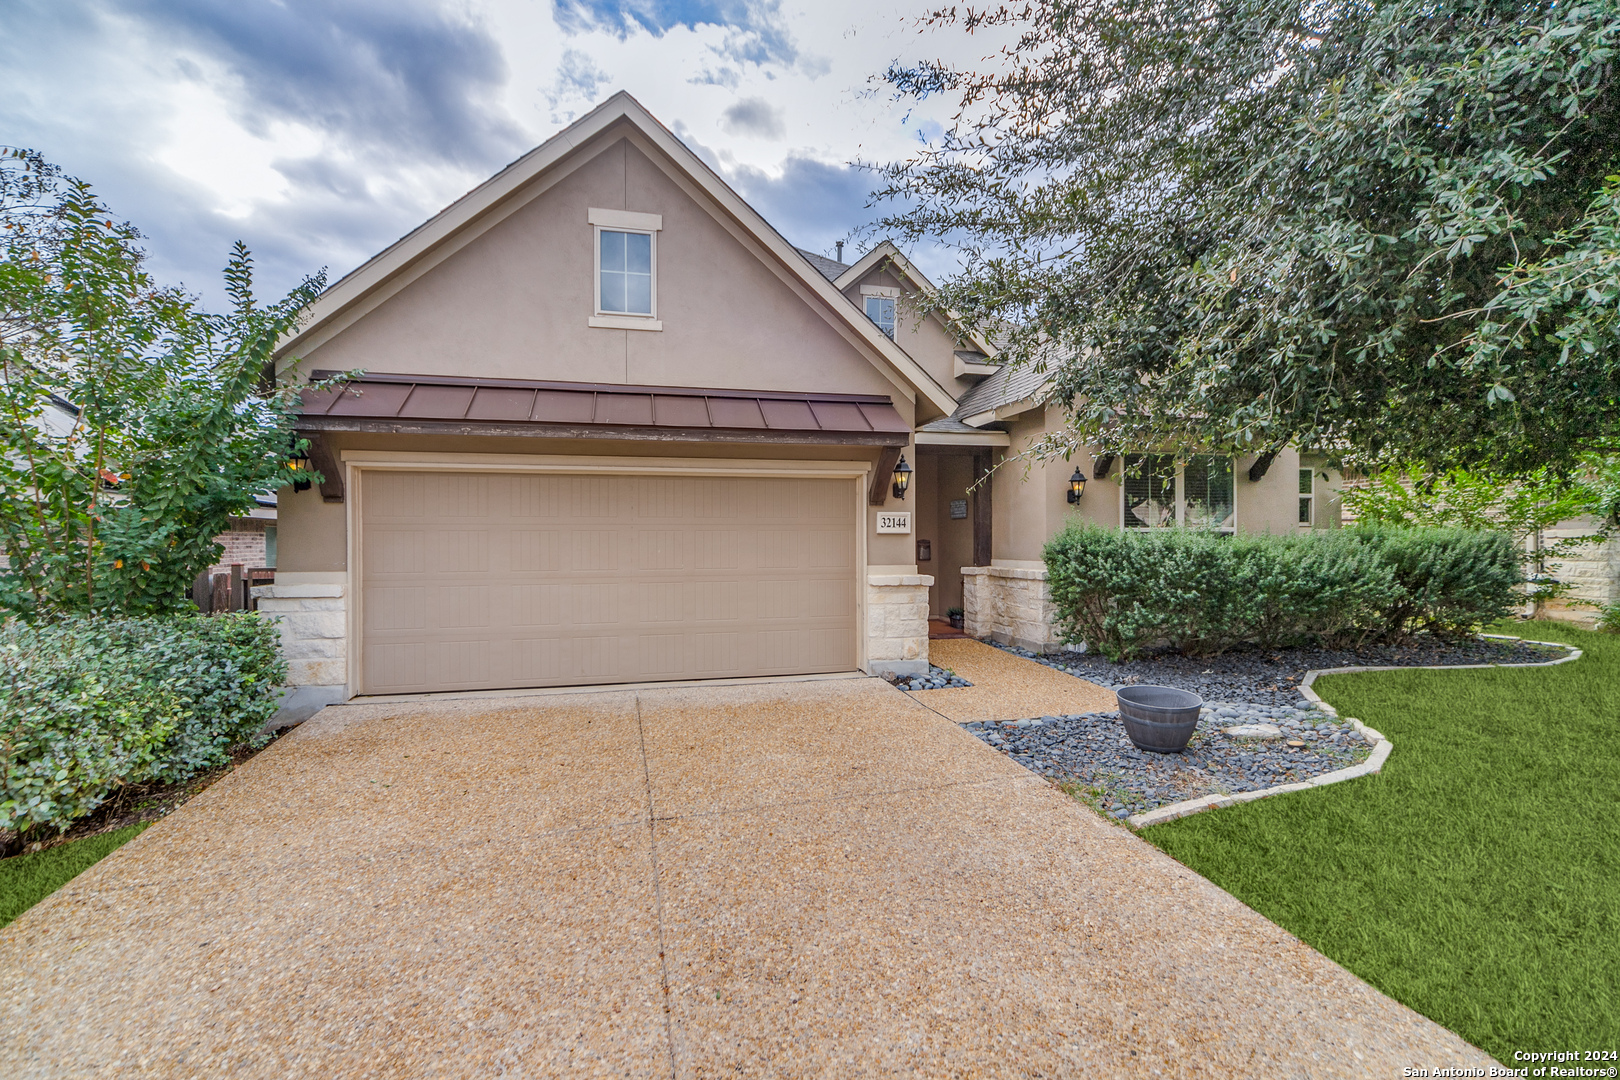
column 806, row 879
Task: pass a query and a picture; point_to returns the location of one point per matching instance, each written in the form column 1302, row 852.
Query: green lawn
column 1477, row 878
column 25, row 880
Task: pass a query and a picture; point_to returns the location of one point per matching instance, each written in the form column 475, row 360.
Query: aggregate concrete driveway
column 811, row 879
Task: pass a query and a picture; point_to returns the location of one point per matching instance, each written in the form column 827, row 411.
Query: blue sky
column 319, row 131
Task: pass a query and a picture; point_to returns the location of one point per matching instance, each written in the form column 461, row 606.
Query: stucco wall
column 515, row 302
column 1031, row 501
column 926, row 339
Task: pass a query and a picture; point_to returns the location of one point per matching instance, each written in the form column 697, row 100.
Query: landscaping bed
column 938, row 678
column 1090, row 757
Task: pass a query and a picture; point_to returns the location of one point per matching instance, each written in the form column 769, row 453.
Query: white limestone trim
column 625, row 219
column 624, row 322
column 885, row 580
column 1381, row 744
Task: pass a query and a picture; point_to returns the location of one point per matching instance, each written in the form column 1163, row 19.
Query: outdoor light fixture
column 298, row 464
column 1077, row 487
column 902, row 478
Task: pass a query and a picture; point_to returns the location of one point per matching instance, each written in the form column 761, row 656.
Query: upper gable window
column 879, row 302
column 626, row 269
column 625, row 285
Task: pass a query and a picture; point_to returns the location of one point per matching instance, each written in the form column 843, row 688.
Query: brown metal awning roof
column 431, row 404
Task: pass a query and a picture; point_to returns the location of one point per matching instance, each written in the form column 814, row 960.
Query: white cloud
column 321, row 130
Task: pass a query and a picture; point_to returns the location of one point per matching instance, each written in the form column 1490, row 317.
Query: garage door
column 483, row 580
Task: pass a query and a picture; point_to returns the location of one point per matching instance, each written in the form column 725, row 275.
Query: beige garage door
column 484, row 581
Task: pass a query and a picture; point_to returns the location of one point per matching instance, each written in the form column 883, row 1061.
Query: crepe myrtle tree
column 1384, row 229
column 133, row 423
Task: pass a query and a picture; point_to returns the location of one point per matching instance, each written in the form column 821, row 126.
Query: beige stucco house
column 613, row 428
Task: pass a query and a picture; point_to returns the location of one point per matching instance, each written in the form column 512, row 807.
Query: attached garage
column 489, row 580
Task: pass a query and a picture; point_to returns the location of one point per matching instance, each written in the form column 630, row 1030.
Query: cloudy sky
column 319, row 131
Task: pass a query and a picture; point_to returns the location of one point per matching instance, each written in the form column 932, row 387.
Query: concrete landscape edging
column 1380, row 743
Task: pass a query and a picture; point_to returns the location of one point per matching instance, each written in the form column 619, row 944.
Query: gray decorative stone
column 1254, row 731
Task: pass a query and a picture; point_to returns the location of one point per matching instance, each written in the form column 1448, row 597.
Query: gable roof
column 829, row 268
column 406, row 259
column 1012, row 384
column 886, row 252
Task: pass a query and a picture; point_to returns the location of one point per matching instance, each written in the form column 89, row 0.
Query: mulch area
column 135, row 804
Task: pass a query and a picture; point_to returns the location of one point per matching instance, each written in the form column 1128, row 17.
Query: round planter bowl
column 1159, row 718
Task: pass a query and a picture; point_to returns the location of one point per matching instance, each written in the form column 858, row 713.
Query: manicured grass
column 1477, row 878
column 25, row 880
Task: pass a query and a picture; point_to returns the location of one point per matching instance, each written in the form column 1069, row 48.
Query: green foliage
column 1386, row 231
column 1472, row 499
column 1473, row 879
column 25, row 880
column 88, row 705
column 134, row 423
column 1121, row 591
column 1608, row 619
column 1449, row 581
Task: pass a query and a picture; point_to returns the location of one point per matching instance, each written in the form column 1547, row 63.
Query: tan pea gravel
column 813, row 879
column 1007, row 687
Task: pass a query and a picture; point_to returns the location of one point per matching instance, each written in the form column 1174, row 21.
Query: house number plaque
column 894, row 523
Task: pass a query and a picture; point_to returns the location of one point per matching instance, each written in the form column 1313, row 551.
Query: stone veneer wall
column 897, row 623
column 1009, row 605
column 314, row 639
column 1594, row 575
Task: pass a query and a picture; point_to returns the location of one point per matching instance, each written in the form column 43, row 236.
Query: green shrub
column 1452, row 581
column 1122, row 591
column 88, row 705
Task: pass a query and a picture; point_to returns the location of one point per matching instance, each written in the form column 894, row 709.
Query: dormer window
column 626, row 269
column 879, row 302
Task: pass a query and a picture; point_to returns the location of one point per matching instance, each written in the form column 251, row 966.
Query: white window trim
column 1179, row 498
column 1311, row 523
column 630, row 222
column 881, row 290
column 625, row 220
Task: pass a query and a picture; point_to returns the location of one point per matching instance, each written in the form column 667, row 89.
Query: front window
column 1307, row 497
column 626, row 282
column 880, row 309
column 1162, row 492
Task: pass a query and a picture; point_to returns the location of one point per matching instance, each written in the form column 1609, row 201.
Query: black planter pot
column 1159, row 718
column 956, row 621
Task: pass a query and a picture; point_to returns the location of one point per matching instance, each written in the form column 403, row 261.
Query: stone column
column 897, row 623
column 314, row 639
column 1011, row 606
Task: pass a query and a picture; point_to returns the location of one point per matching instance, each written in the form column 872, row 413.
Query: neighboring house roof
column 498, row 197
column 829, row 268
column 1012, row 384
column 887, row 253
column 420, row 403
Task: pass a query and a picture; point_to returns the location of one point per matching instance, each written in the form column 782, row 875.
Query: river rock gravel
column 1091, row 754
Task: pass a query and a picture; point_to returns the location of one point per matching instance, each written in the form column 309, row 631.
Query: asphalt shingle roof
column 1013, row 382
column 829, row 268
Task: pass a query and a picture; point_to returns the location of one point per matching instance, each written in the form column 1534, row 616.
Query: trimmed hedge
column 88, row 705
column 1122, row 591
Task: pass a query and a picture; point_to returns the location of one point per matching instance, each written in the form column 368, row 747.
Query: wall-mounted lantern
column 902, row 478
column 298, row 465
column 1077, row 487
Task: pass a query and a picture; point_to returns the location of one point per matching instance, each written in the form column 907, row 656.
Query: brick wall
column 244, row 544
